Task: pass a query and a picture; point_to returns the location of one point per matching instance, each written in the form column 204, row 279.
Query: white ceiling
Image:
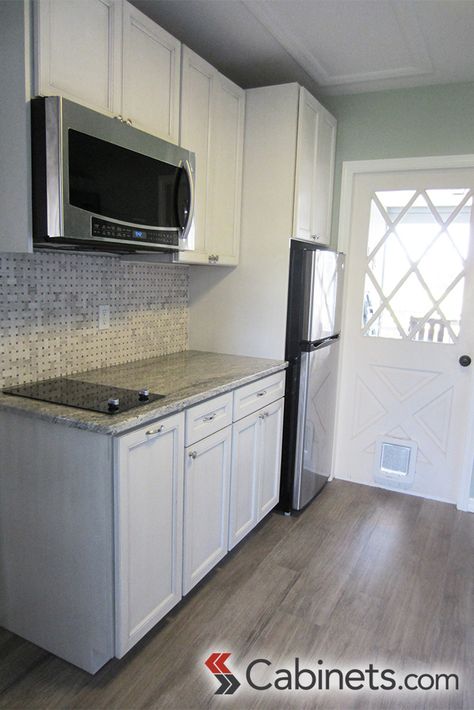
column 330, row 46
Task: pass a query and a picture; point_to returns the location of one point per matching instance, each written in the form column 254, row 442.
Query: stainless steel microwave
column 100, row 183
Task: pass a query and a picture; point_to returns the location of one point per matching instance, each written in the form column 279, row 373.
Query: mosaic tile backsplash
column 49, row 313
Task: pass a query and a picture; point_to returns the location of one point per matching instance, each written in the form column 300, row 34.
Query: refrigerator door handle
column 309, row 346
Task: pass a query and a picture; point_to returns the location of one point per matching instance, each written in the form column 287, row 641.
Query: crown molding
column 419, row 64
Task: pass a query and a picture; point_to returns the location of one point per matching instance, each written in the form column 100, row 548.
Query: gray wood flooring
column 363, row 575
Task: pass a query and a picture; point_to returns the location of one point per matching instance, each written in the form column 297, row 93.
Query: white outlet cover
column 104, row 317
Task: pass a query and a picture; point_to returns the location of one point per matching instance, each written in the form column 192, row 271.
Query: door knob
column 465, row 360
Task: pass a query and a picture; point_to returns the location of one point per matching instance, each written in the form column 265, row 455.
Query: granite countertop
column 185, row 378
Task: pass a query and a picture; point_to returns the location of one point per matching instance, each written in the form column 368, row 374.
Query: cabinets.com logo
column 260, row 676
column 228, row 681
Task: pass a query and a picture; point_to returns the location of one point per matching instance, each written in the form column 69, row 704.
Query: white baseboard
column 470, row 505
column 373, row 484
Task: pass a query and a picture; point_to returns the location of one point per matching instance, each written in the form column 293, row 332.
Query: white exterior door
column 408, row 320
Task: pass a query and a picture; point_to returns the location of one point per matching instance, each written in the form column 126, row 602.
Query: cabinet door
column 149, row 520
column 270, row 443
column 206, row 505
column 225, row 180
column 314, row 170
column 212, row 125
column 324, row 178
column 197, row 91
column 151, row 75
column 78, row 51
column 244, row 482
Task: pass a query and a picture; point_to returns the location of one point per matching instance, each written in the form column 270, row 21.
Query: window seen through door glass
column 417, row 247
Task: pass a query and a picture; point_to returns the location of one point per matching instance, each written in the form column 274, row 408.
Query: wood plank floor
column 363, row 575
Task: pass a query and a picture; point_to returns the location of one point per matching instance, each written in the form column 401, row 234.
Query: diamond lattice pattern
column 417, row 248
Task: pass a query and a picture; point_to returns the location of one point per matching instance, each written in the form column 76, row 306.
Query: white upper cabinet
column 107, row 55
column 151, row 75
column 212, row 126
column 79, row 50
column 197, row 92
column 316, row 144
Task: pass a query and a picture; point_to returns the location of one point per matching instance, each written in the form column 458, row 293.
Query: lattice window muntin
column 417, row 247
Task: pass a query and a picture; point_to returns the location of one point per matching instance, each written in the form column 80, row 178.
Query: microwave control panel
column 112, row 230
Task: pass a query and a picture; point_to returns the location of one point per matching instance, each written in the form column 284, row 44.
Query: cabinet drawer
column 258, row 394
column 206, row 418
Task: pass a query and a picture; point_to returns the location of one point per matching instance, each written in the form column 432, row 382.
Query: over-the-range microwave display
column 100, row 183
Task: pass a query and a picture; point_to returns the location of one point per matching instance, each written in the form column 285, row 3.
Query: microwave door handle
column 187, row 169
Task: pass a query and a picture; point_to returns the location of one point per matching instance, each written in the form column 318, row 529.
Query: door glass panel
column 390, row 264
column 377, row 227
column 384, row 326
column 416, row 252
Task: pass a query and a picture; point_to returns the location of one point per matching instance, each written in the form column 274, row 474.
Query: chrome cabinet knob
column 113, row 404
column 193, row 454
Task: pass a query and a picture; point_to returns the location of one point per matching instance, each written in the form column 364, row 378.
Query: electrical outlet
column 104, row 317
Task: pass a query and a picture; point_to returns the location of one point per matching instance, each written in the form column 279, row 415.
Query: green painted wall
column 433, row 120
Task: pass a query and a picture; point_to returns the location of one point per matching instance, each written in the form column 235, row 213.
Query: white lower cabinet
column 148, row 530
column 270, row 443
column 206, row 505
column 244, row 477
column 120, row 527
column 255, row 477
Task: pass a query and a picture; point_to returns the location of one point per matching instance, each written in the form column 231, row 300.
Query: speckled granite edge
column 232, row 372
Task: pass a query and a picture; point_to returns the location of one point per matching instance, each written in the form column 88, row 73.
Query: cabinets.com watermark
column 261, row 675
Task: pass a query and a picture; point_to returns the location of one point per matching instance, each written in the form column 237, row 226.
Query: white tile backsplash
column 49, row 313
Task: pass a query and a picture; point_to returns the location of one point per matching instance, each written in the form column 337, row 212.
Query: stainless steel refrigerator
column 312, row 345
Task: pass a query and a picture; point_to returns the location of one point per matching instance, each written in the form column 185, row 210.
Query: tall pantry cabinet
column 287, row 192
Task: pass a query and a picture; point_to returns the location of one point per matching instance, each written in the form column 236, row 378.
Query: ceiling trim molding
column 287, row 39
column 410, row 30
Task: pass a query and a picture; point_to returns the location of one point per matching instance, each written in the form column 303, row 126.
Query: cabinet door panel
column 206, row 507
column 151, row 71
column 78, row 51
column 226, row 171
column 314, row 170
column 212, row 125
column 198, row 78
column 324, row 178
column 149, row 479
column 271, row 458
column 307, row 150
column 244, row 477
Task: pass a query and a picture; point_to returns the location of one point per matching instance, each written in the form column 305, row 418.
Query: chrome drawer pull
column 263, row 415
column 192, row 454
column 262, row 393
column 150, row 432
column 210, row 417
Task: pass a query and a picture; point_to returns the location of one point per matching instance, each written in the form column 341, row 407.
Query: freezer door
column 323, row 276
column 316, row 419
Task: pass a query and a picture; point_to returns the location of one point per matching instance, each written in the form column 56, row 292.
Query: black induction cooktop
column 85, row 395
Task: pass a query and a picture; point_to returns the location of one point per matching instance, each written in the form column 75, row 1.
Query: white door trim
column 350, row 169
